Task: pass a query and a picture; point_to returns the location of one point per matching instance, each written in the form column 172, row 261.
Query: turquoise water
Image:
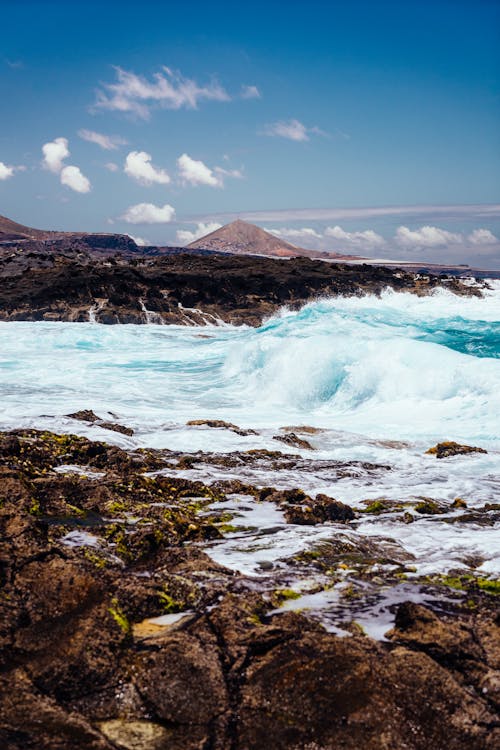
column 385, row 378
column 396, row 366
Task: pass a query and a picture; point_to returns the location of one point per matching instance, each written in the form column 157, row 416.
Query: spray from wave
column 398, row 366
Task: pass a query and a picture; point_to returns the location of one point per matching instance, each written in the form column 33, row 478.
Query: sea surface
column 383, row 378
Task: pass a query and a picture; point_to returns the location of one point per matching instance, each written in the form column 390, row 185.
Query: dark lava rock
column 292, row 439
column 450, row 448
column 87, row 415
column 116, row 428
column 299, row 508
column 84, row 666
column 84, row 415
column 68, row 278
column 220, row 424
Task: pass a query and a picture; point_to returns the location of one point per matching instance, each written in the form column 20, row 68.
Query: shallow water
column 385, row 378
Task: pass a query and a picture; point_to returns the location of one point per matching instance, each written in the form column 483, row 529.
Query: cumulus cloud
column 7, row 170
column 74, row 179
column 426, row 236
column 294, row 130
column 112, row 166
column 482, row 237
column 250, row 92
column 107, row 142
column 185, row 236
column 169, row 89
column 367, row 240
column 194, row 172
column 148, row 213
column 54, row 154
column 140, row 241
column 138, row 166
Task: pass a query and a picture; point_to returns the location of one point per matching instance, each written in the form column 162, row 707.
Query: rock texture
column 86, row 664
column 114, row 283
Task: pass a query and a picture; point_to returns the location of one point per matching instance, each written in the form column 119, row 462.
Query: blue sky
column 285, row 114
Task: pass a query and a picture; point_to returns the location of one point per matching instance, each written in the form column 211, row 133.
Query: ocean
column 380, row 379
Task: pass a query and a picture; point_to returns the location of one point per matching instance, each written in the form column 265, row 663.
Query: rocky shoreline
column 118, row 630
column 69, row 280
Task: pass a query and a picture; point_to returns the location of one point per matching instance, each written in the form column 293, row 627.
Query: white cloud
column 304, row 233
column 140, row 241
column 74, row 179
column 54, row 154
column 294, row 130
column 185, row 236
column 236, row 173
column 169, row 89
column 482, row 237
column 426, row 236
column 112, row 166
column 193, row 172
column 367, row 240
column 148, row 213
column 250, row 92
column 423, row 212
column 138, row 166
column 107, row 142
column 6, row 171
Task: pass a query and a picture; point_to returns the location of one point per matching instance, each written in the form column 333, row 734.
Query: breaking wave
column 396, row 365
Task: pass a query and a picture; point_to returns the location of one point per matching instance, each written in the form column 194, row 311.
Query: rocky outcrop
column 117, row 632
column 69, row 280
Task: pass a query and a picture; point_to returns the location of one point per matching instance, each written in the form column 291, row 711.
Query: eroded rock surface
column 71, row 280
column 83, row 564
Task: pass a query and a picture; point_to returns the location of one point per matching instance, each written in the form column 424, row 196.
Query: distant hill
column 11, row 230
column 241, row 238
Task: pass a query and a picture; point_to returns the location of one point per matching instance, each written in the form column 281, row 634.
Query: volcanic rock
column 450, row 448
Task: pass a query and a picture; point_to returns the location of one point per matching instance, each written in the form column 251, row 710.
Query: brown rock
column 183, row 681
column 294, row 440
column 220, row 424
column 450, row 448
column 418, row 627
column 328, row 692
column 301, row 509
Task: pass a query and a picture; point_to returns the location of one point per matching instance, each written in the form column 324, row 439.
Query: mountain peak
column 241, row 237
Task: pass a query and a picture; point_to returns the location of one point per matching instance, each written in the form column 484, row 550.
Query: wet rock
column 418, row 627
column 377, row 506
column 294, row 440
column 87, row 415
column 450, row 448
column 428, row 506
column 79, row 669
column 220, row 424
column 301, row 509
column 84, row 415
column 116, row 428
column 308, row 429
